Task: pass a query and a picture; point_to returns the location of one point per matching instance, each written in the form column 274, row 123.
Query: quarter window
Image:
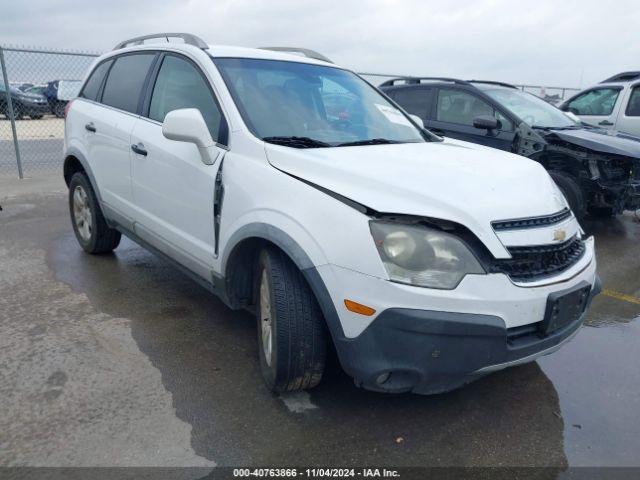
column 125, row 81
column 181, row 85
column 633, row 109
column 92, row 87
column 598, row 102
column 456, row 106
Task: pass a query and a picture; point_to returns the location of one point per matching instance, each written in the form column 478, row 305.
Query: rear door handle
column 90, row 127
column 139, row 149
column 606, row 123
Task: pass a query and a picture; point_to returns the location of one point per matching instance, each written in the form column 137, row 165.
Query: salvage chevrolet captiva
column 290, row 187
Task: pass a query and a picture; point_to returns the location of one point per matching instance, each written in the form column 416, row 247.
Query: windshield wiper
column 567, row 127
column 297, row 142
column 371, row 141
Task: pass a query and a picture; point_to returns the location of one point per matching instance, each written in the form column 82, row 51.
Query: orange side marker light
column 358, row 308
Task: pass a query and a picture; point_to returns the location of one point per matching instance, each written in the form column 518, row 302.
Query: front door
column 455, row 111
column 598, row 106
column 173, row 189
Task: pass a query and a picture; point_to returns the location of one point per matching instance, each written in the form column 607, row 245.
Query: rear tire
column 291, row 329
column 91, row 229
column 571, row 191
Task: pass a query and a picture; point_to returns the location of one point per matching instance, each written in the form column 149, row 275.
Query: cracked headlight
column 422, row 256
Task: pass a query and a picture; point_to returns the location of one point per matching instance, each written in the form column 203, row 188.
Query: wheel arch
column 74, row 162
column 239, row 264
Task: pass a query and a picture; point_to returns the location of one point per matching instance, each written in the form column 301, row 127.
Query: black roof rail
column 418, row 80
column 188, row 38
column 491, row 82
column 304, row 51
column 623, row 77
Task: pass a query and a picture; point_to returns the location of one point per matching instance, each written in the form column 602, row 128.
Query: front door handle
column 605, row 123
column 139, row 149
column 90, row 127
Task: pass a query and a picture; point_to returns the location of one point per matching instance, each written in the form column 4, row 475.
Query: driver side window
column 459, row 107
column 181, row 85
column 598, row 102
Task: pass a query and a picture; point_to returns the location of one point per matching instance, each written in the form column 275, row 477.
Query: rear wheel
column 291, row 331
column 571, row 191
column 91, row 229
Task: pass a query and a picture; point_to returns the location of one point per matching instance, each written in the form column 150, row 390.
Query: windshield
column 305, row 106
column 531, row 109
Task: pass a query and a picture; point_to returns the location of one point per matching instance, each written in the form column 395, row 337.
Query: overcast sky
column 566, row 43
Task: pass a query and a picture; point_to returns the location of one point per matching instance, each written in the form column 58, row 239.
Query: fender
column 299, row 257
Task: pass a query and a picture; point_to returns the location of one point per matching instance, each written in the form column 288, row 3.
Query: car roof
column 622, row 78
column 223, row 51
column 413, row 82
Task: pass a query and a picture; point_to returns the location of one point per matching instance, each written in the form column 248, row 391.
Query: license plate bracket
column 565, row 307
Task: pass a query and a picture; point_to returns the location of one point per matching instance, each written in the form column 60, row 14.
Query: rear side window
column 416, row 101
column 633, row 109
column 125, row 81
column 181, row 85
column 598, row 102
column 92, row 87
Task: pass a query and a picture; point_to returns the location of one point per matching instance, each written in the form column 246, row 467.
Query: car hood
column 452, row 180
column 600, row 140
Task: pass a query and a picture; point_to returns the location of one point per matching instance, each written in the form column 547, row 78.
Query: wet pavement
column 122, row 360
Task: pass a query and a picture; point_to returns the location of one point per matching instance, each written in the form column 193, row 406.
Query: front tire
column 571, row 191
column 291, row 329
column 58, row 109
column 91, row 229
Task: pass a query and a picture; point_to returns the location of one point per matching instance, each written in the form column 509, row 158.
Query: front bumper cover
column 427, row 352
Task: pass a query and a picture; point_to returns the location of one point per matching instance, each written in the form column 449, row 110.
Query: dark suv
column 25, row 104
column 598, row 171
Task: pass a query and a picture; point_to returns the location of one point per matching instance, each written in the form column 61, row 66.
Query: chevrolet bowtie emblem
column 559, row 235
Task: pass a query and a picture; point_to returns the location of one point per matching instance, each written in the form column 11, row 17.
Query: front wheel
column 58, row 109
column 571, row 191
column 291, row 329
column 91, row 229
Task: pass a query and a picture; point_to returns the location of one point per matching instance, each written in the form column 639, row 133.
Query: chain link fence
column 35, row 86
column 37, row 83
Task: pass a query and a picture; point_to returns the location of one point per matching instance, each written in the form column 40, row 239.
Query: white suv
column 613, row 104
column 291, row 187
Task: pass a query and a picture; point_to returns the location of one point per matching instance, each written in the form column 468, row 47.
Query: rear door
column 108, row 128
column 454, row 114
column 597, row 106
column 173, row 189
column 629, row 118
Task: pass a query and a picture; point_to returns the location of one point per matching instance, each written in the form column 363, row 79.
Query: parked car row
column 290, row 187
column 597, row 170
column 34, row 101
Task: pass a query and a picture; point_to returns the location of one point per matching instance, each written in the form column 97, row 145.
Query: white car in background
column 290, row 187
column 613, row 104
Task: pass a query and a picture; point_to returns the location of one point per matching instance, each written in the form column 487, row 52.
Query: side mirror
column 486, row 122
column 187, row 125
column 417, row 119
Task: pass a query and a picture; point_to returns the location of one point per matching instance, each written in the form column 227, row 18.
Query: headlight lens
column 421, row 256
